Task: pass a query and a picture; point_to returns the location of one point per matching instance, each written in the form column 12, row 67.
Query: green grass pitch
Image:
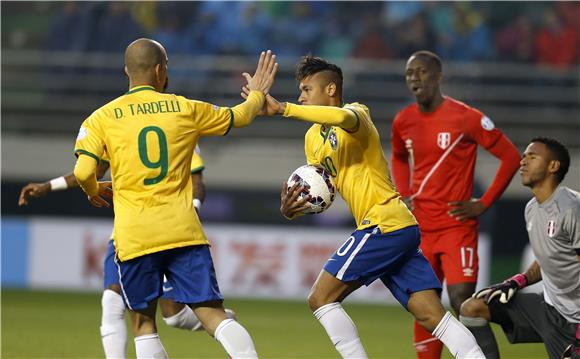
column 37, row 324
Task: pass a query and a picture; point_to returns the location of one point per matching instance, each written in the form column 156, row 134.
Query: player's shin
column 235, row 339
column 149, row 346
column 457, row 338
column 482, row 332
column 426, row 346
column 341, row 330
column 113, row 328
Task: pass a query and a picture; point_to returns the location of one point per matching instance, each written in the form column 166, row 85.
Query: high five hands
column 265, row 72
column 262, row 81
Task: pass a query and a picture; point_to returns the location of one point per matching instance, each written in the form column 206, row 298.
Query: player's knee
column 473, row 308
column 315, row 301
column 115, row 288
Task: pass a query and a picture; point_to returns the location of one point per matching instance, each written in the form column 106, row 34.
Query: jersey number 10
column 163, row 162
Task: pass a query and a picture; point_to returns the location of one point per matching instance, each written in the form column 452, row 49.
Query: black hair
column 310, row 65
column 560, row 153
column 431, row 57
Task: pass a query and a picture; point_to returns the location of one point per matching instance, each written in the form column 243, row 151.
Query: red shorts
column 452, row 253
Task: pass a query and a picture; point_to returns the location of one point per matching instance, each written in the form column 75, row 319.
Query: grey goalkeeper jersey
column 554, row 231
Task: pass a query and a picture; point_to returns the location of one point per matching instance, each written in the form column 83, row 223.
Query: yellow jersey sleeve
column 212, row 120
column 90, row 140
column 364, row 122
column 197, row 164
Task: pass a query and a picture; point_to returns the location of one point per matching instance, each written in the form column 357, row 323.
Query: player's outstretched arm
column 64, row 182
column 39, row 190
column 324, row 115
column 258, row 85
column 291, row 206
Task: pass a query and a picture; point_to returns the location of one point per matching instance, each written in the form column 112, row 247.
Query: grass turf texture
column 38, row 324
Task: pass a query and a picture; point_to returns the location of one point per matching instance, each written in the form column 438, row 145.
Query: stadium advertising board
column 250, row 260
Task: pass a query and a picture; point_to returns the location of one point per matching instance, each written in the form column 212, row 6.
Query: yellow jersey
column 150, row 138
column 360, row 170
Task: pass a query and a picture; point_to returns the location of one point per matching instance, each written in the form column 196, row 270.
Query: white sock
column 149, row 346
column 113, row 328
column 235, row 339
column 185, row 319
column 457, row 338
column 341, row 330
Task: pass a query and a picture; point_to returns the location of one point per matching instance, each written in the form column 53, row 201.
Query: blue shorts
column 189, row 271
column 393, row 257
column 111, row 276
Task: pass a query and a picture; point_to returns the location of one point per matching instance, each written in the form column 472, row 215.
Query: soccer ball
column 317, row 183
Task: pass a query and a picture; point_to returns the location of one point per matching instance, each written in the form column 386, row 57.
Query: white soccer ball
column 317, row 183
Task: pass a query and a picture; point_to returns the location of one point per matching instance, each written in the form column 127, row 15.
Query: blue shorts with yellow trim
column 189, row 271
column 394, row 257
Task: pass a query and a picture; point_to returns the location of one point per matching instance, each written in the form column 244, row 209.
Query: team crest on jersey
column 333, row 140
column 551, row 228
column 443, row 140
column 487, row 124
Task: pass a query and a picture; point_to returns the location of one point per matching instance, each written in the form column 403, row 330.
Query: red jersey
column 434, row 158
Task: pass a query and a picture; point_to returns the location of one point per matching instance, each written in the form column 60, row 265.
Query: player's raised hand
column 463, row 210
column 291, row 205
column 271, row 105
column 105, row 192
column 265, row 72
column 33, row 190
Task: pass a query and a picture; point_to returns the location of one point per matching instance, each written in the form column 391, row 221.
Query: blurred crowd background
column 539, row 32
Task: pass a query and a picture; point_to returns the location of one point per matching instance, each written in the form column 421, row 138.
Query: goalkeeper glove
column 504, row 290
column 573, row 350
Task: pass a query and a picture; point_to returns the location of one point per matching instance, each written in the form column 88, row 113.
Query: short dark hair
column 431, row 57
column 560, row 153
column 310, row 65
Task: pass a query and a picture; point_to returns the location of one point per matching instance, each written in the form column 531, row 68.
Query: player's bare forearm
column 198, row 186
column 39, row 190
column 533, row 274
column 324, row 115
